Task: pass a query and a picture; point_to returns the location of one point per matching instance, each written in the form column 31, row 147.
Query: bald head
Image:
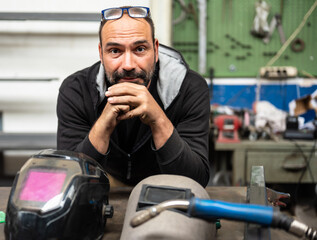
column 148, row 19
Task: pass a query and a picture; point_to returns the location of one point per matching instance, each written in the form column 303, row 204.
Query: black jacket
column 182, row 94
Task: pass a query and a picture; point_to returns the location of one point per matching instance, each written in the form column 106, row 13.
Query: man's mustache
column 128, row 74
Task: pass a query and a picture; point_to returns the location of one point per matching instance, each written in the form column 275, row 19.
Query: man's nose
column 128, row 62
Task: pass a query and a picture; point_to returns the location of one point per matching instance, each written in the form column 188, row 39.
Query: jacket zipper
column 129, row 155
column 129, row 167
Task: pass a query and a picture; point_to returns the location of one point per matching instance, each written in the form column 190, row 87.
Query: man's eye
column 114, row 51
column 140, row 49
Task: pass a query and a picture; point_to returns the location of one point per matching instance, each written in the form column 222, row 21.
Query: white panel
column 67, row 6
column 28, row 96
column 30, row 122
column 49, row 27
column 42, row 56
column 162, row 17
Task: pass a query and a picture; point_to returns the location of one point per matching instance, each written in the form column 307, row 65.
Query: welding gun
column 211, row 209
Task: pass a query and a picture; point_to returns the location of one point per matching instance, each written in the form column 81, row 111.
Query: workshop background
column 258, row 58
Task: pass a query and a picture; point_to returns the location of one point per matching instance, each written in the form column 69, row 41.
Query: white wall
column 67, row 6
column 161, row 13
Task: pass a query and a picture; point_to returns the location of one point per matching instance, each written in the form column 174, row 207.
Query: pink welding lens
column 42, row 185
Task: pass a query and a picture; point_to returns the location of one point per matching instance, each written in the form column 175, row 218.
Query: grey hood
column 171, row 75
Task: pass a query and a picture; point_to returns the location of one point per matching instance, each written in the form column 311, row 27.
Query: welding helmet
column 58, row 195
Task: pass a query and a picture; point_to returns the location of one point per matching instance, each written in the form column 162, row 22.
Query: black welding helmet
column 58, row 195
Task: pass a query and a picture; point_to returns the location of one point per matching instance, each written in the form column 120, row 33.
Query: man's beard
column 116, row 76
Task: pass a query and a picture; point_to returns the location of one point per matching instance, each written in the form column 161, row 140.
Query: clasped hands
column 128, row 100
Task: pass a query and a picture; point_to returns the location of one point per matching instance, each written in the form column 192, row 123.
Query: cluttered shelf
column 283, row 142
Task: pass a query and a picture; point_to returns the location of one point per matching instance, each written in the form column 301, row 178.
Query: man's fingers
column 124, row 89
column 124, row 100
column 122, row 109
column 129, row 114
column 141, row 101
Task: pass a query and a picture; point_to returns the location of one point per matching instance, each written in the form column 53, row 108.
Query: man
column 140, row 111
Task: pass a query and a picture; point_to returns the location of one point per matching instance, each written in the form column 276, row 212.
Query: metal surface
column 256, row 194
column 157, row 209
column 274, row 197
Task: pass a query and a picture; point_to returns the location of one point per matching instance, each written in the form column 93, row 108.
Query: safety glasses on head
column 116, row 13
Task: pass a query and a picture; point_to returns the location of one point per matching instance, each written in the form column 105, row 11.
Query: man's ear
column 156, row 46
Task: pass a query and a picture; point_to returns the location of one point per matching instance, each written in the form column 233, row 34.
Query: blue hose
column 211, row 209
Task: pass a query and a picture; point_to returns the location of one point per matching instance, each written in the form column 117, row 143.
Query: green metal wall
column 231, row 49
